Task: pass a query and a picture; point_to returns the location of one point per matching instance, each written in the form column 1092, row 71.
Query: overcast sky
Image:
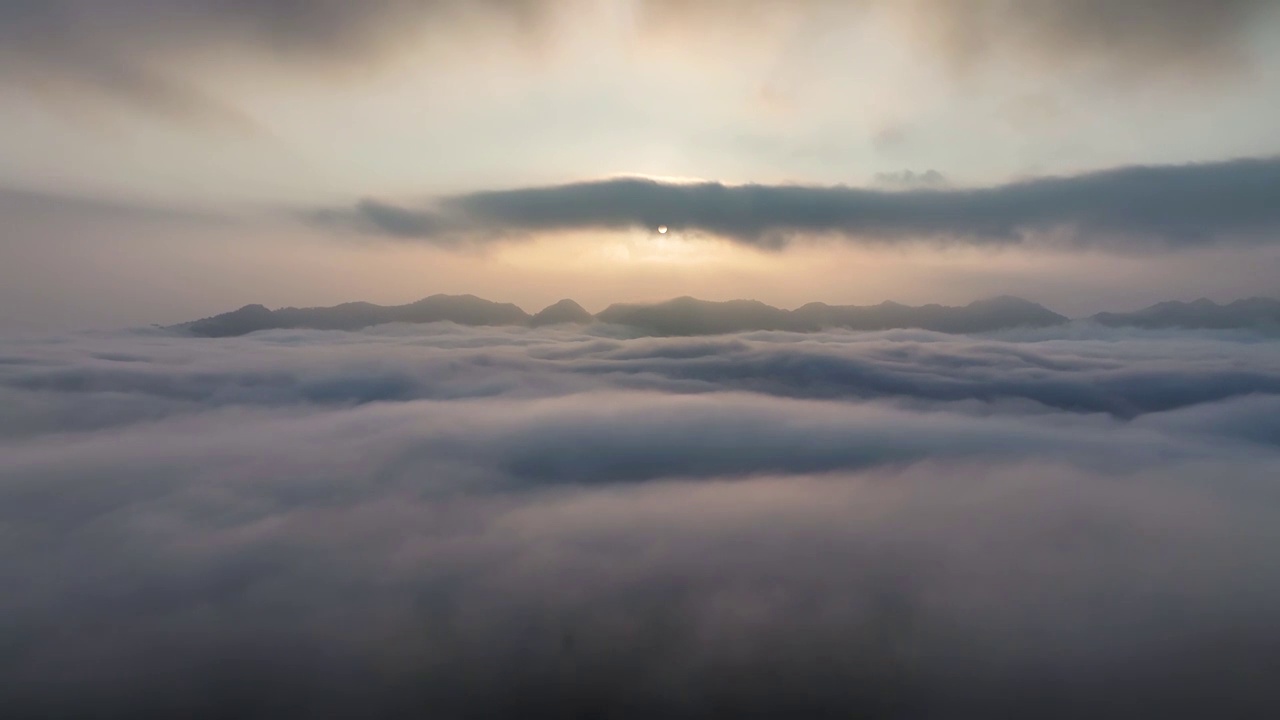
column 160, row 159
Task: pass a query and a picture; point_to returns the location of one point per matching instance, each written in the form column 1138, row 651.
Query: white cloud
column 545, row 522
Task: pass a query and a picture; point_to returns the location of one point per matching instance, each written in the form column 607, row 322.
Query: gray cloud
column 911, row 179
column 1118, row 42
column 17, row 203
column 1128, row 207
column 1142, row 40
column 466, row 522
column 151, row 52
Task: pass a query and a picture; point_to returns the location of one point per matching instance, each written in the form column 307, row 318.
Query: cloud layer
column 1130, row 207
column 155, row 54
column 146, row 52
column 1145, row 39
column 479, row 522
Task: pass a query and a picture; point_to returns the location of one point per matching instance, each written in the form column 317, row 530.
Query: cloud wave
column 483, row 522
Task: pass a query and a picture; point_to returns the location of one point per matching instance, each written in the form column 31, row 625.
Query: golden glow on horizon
column 628, row 249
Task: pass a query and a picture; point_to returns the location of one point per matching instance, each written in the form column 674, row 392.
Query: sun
column 662, row 229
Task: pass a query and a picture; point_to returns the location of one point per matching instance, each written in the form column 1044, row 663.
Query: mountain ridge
column 687, row 315
column 1201, row 313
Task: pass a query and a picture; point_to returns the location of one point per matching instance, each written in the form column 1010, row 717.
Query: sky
column 162, row 160
column 694, row 510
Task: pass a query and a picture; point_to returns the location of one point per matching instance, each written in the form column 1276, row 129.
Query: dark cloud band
column 1175, row 205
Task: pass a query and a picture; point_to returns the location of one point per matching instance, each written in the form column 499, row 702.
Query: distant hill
column 681, row 316
column 687, row 316
column 690, row 316
column 981, row 316
column 1254, row 312
column 461, row 309
column 564, row 312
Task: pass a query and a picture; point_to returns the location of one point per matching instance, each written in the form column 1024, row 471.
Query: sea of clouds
column 448, row 522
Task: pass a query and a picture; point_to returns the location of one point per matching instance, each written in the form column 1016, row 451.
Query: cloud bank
column 514, row 522
column 1118, row 209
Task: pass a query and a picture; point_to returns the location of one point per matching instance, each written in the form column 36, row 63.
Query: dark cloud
column 1128, row 207
column 151, row 53
column 399, row 221
column 475, row 522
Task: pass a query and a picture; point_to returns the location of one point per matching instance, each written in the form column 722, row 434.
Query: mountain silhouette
column 690, row 316
column 681, row 316
column 980, row 316
column 1256, row 312
column 564, row 312
column 460, row 309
